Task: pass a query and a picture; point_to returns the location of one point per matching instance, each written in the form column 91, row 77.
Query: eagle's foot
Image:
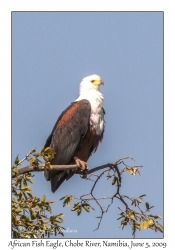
column 81, row 164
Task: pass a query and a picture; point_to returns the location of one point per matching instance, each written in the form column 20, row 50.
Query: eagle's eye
column 92, row 80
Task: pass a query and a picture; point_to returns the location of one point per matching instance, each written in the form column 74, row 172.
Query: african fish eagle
column 78, row 131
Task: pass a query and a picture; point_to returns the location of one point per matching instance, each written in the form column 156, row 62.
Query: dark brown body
column 72, row 136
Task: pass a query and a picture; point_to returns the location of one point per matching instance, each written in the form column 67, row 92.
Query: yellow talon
column 81, row 164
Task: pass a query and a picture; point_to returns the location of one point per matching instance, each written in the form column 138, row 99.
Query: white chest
column 97, row 114
column 97, row 117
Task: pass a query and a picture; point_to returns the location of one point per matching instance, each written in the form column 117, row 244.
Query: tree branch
column 86, row 198
column 136, row 219
column 40, row 168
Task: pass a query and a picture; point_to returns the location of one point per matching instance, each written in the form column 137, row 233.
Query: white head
column 89, row 83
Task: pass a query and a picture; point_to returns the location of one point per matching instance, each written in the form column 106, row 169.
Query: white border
column 169, row 86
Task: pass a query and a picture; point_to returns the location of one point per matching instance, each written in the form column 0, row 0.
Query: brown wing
column 70, row 127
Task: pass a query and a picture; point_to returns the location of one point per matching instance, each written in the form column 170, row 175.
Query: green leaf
column 79, row 211
column 142, row 195
column 60, row 215
column 114, row 180
column 52, row 201
column 150, row 222
column 72, row 197
column 132, row 170
column 29, row 179
column 33, row 161
column 20, row 196
column 30, row 195
column 76, row 206
column 43, row 198
column 108, row 175
column 155, row 216
column 52, row 218
column 146, row 224
column 24, row 187
column 151, row 207
column 28, row 191
column 120, row 217
column 63, row 197
column 147, row 205
column 86, row 207
column 135, row 212
column 130, row 215
column 15, row 170
column 33, row 213
column 42, row 149
column 36, row 154
column 124, row 222
column 47, row 149
column 16, row 160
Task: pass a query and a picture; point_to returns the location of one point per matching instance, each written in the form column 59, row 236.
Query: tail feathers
column 58, row 179
column 47, row 174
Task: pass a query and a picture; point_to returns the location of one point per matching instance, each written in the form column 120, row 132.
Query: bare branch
column 26, row 157
column 91, row 197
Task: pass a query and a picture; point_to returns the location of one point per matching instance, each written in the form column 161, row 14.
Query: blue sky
column 51, row 53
